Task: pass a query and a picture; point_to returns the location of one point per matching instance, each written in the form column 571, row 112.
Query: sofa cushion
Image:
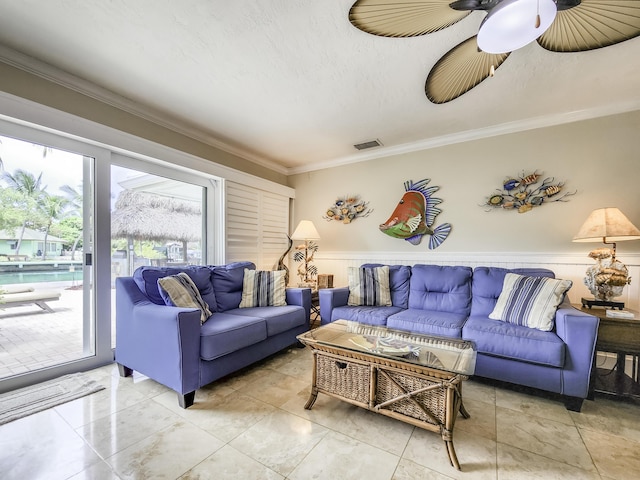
column 441, row 288
column 278, row 319
column 399, row 276
column 227, row 282
column 428, row 322
column 146, row 279
column 530, row 301
column 368, row 315
column 487, row 286
column 369, row 286
column 263, row 288
column 501, row 339
column 224, row 333
column 180, row 291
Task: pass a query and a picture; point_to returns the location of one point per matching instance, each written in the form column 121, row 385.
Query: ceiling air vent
column 369, row 144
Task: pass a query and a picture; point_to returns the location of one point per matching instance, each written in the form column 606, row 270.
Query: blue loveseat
column 169, row 344
column 456, row 301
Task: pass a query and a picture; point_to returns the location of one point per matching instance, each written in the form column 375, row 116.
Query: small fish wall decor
column 347, row 208
column 527, row 191
column 415, row 214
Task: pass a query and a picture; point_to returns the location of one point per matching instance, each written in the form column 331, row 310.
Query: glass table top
column 442, row 353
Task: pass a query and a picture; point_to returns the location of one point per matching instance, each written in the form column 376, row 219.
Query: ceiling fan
column 557, row 25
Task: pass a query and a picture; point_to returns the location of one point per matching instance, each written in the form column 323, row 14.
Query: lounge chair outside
column 16, row 296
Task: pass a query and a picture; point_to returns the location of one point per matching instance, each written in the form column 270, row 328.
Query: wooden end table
column 622, row 337
column 315, row 308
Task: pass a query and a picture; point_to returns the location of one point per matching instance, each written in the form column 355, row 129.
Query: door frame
column 96, row 298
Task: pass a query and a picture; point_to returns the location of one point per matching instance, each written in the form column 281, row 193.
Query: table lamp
column 306, row 231
column 608, row 277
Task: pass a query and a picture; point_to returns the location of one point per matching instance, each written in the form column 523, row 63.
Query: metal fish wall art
column 346, row 209
column 415, row 215
column 525, row 192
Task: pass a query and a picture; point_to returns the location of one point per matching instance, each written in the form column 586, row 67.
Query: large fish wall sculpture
column 415, row 214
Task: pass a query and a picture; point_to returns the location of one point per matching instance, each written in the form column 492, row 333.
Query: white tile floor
column 253, row 426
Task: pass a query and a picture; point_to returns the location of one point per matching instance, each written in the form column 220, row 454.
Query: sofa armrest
column 579, row 331
column 330, row 298
column 159, row 341
column 300, row 297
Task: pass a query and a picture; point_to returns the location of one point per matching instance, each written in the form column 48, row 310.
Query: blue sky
column 58, row 167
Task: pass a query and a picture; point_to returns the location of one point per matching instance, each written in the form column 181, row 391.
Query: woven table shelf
column 426, row 395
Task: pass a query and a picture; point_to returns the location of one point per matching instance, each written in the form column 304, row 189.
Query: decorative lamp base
column 587, row 302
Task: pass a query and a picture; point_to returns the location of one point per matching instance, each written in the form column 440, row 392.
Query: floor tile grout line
column 595, row 465
column 82, row 439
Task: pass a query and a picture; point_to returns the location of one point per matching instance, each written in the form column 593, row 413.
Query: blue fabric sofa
column 169, row 344
column 455, row 301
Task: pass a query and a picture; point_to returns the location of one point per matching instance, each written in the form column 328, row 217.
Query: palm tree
column 75, row 203
column 53, row 207
column 74, row 196
column 30, row 188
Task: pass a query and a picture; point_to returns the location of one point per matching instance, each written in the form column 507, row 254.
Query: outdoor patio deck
column 31, row 338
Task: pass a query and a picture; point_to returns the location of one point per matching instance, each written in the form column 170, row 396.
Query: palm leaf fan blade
column 459, row 70
column 408, row 18
column 564, row 33
column 448, row 79
column 593, row 24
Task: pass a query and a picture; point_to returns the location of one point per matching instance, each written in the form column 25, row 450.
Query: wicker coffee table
column 410, row 377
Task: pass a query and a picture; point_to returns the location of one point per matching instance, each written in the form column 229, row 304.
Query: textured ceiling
column 293, row 84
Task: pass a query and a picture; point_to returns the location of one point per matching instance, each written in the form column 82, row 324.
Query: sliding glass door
column 158, row 218
column 154, row 221
column 73, row 217
column 46, row 255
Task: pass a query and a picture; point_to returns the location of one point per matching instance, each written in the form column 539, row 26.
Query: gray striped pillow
column 263, row 288
column 369, row 286
column 530, row 301
column 180, row 291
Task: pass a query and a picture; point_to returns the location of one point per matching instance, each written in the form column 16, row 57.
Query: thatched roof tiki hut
column 147, row 216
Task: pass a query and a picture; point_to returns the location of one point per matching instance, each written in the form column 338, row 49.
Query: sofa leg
column 124, row 371
column 187, row 399
column 573, row 403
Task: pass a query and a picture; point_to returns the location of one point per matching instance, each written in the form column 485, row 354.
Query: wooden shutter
column 257, row 223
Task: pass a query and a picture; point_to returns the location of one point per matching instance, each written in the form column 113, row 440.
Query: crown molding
column 60, row 77
column 477, row 134
column 84, row 87
column 17, row 113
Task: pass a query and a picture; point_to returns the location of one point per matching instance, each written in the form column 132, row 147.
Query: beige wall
column 31, row 87
column 599, row 158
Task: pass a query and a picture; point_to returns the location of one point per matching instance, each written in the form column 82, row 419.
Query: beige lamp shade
column 607, row 225
column 305, row 230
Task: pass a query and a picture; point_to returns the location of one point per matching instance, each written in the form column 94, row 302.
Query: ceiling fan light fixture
column 512, row 24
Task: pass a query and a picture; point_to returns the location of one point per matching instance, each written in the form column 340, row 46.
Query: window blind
column 257, row 223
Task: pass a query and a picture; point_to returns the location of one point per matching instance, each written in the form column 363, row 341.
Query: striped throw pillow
column 180, row 291
column 530, row 301
column 369, row 286
column 263, row 288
